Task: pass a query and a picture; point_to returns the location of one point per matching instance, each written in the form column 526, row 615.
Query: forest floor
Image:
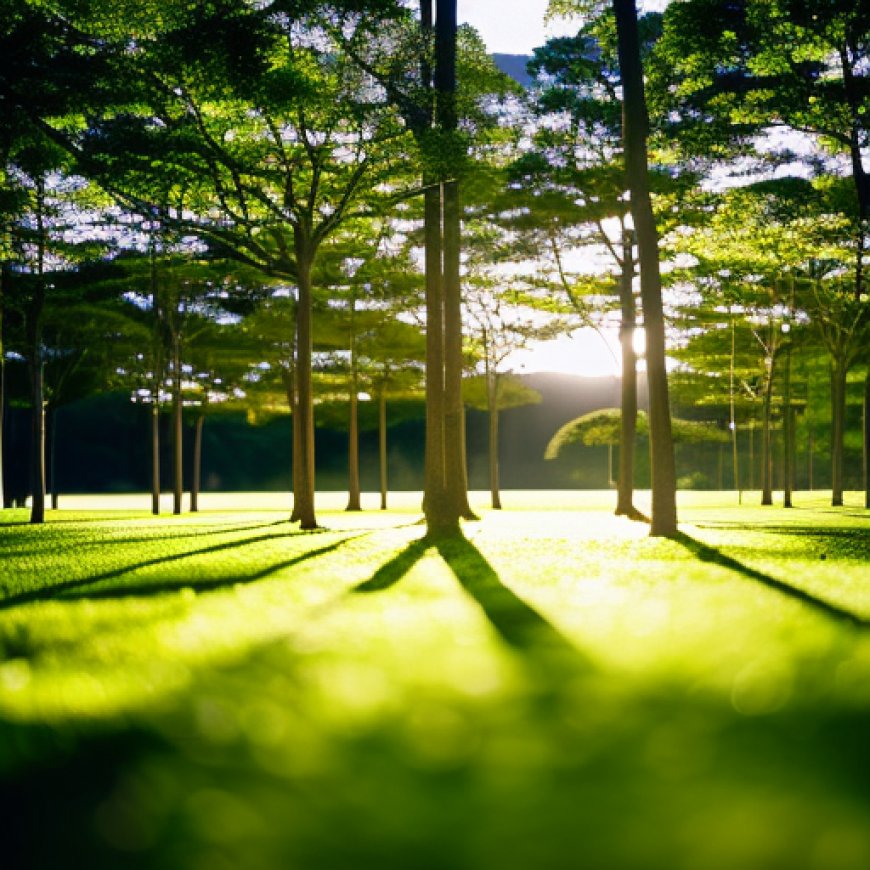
column 553, row 690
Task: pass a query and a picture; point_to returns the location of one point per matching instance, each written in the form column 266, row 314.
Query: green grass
column 557, row 690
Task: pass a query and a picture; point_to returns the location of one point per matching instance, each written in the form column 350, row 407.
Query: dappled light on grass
column 553, row 689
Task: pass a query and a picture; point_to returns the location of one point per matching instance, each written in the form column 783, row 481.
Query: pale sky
column 517, row 26
column 512, row 27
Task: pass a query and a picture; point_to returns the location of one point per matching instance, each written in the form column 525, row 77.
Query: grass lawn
column 556, row 690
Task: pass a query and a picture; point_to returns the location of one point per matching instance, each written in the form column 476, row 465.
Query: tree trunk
column 492, row 410
column 303, row 493
column 37, row 373
column 382, row 444
column 196, row 480
column 635, row 124
column 51, row 417
column 752, row 452
column 766, row 452
column 628, row 398
column 289, row 379
column 37, row 434
column 353, row 501
column 454, row 424
column 155, row 452
column 838, row 419
column 787, row 435
column 439, row 517
column 867, row 439
column 177, row 429
column 735, row 455
column 2, row 385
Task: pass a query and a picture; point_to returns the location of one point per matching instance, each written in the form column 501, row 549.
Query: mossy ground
column 554, row 690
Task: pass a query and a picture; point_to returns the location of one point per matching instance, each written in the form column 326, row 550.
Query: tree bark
column 867, row 440
column 51, row 455
column 155, row 453
column 766, row 452
column 37, row 435
column 177, row 428
column 628, row 398
column 492, row 409
column 353, row 501
column 838, row 419
column 635, row 126
column 35, row 363
column 303, row 492
column 289, row 378
column 382, row 444
column 196, row 480
column 2, row 387
column 787, row 435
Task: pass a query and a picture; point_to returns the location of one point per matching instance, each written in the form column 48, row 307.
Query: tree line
column 223, row 205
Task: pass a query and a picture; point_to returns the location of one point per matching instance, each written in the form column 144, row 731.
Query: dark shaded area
column 706, row 553
column 519, row 625
column 78, row 586
column 393, row 571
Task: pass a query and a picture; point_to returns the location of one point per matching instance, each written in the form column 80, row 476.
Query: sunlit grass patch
column 555, row 690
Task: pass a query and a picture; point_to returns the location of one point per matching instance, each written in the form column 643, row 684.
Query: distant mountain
column 514, row 65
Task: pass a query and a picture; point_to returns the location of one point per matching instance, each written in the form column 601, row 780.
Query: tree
column 735, row 70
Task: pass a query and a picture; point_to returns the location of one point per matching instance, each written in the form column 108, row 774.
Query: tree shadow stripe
column 58, row 591
column 706, row 553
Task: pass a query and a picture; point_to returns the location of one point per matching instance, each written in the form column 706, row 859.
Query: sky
column 514, row 27
column 517, row 26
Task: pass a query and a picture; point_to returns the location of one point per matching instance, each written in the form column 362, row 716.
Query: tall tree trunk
column 492, row 410
column 766, row 451
column 382, row 444
column 455, row 474
column 37, row 435
column 177, row 428
column 635, row 123
column 867, row 439
column 36, row 366
column 196, row 480
column 787, row 434
column 438, row 515
column 732, row 422
column 353, row 501
column 155, row 452
column 838, row 419
column 3, row 274
column 628, row 398
column 752, row 452
column 454, row 424
column 51, row 418
column 157, row 346
column 289, row 378
column 303, row 494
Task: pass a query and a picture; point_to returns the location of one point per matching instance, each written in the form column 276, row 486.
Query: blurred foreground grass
column 556, row 690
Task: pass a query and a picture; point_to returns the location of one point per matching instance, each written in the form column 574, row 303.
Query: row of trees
column 226, row 205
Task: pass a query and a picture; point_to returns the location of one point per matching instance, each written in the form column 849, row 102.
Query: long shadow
column 171, row 535
column 706, row 553
column 203, row 585
column 57, row 590
column 390, row 573
column 520, row 625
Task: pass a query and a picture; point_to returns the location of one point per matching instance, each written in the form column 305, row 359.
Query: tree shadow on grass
column 706, row 553
column 77, row 588
column 518, row 624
